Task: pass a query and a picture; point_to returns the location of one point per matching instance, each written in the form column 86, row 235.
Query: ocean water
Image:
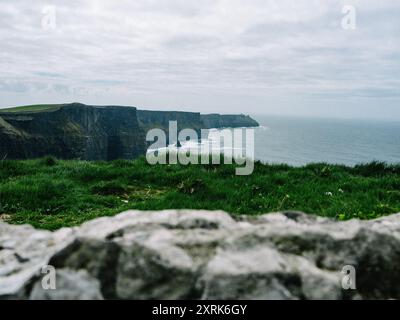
column 298, row 141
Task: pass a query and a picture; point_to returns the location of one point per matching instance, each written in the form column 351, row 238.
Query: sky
column 298, row 57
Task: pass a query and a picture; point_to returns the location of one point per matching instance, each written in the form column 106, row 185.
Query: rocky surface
column 203, row 255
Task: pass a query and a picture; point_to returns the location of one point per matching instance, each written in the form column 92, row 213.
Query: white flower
column 330, row 194
column 341, row 191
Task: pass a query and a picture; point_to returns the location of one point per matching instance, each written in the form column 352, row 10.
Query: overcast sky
column 230, row 56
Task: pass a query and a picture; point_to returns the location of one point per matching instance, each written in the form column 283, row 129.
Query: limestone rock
column 186, row 254
column 71, row 285
column 23, row 253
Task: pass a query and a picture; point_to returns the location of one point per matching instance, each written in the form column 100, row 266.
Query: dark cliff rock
column 227, row 121
column 160, row 119
column 71, row 131
column 78, row 131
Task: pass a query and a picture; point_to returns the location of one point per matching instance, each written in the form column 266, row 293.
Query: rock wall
column 203, row 255
column 160, row 119
column 72, row 131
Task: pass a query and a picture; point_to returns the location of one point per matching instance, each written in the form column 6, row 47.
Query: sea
column 298, row 141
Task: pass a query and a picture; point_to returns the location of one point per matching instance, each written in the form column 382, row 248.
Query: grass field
column 33, row 108
column 50, row 194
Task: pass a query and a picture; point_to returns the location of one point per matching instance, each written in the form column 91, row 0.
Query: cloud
column 157, row 52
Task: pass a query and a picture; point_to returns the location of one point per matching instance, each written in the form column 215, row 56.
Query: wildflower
column 330, row 194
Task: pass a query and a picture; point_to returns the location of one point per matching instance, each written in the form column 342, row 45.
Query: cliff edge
column 78, row 131
column 73, row 131
column 227, row 121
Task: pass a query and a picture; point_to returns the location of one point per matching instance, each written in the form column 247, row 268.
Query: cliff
column 78, row 131
column 227, row 121
column 73, row 131
column 160, row 119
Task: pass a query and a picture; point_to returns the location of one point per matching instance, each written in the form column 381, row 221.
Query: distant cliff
column 227, row 121
column 160, row 119
column 78, row 131
column 194, row 120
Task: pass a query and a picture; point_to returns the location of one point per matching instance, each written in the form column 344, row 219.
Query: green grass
column 33, row 108
column 50, row 194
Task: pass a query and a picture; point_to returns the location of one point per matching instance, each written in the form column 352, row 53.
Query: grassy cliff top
column 34, row 108
column 51, row 194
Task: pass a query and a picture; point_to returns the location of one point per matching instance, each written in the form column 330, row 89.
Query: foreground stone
column 183, row 254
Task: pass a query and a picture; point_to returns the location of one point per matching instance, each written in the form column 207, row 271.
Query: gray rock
column 183, row 254
column 23, row 252
column 70, row 285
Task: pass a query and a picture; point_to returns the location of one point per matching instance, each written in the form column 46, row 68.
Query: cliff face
column 77, row 131
column 72, row 131
column 227, row 121
column 160, row 119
